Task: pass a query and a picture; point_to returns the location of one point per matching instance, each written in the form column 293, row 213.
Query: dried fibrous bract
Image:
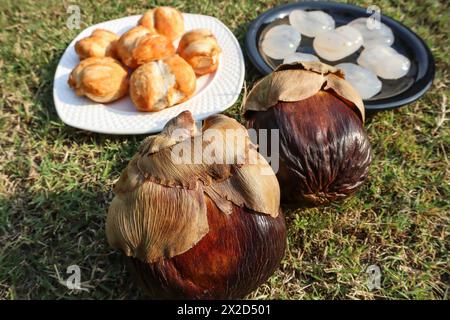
column 160, row 84
column 100, row 79
column 199, row 229
column 324, row 149
column 200, row 49
column 101, row 43
column 139, row 45
column 167, row 21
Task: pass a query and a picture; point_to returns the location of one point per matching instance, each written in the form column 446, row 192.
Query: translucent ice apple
column 338, row 43
column 385, row 62
column 280, row 41
column 374, row 32
column 311, row 23
column 363, row 80
column 298, row 56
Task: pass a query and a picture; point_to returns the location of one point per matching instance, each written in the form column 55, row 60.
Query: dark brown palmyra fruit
column 240, row 252
column 324, row 151
column 206, row 229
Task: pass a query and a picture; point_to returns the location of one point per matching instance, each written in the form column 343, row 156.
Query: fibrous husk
column 159, row 209
column 299, row 81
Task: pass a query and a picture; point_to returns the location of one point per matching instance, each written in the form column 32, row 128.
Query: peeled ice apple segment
column 311, row 23
column 299, row 56
column 374, row 32
column 363, row 80
column 338, row 43
column 280, row 41
column 385, row 62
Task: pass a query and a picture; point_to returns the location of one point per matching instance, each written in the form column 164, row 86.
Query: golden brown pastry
column 100, row 79
column 167, row 21
column 139, row 45
column 101, row 43
column 200, row 49
column 160, row 84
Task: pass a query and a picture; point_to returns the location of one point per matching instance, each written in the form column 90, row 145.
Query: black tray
column 394, row 93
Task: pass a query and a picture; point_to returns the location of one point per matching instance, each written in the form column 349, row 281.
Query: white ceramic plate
column 215, row 92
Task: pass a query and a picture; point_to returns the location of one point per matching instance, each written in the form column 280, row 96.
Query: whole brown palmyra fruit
column 198, row 230
column 324, row 151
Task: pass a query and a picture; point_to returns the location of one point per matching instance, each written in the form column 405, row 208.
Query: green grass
column 55, row 182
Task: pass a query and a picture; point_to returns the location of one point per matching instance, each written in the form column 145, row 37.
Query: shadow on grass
column 41, row 235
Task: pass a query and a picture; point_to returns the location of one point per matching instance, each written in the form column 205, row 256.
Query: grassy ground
column 55, row 180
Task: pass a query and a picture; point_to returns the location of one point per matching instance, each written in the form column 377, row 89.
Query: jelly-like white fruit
column 311, row 23
column 338, row 43
column 298, row 56
column 363, row 80
column 374, row 32
column 280, row 41
column 385, row 62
